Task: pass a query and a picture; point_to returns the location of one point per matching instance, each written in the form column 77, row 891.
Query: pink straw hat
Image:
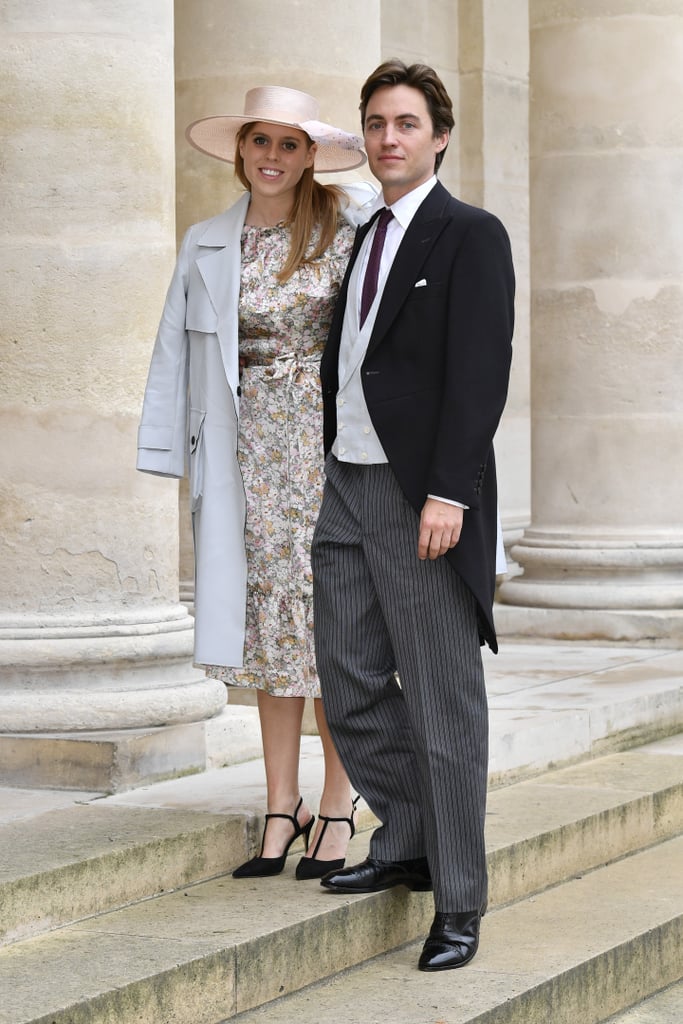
column 337, row 150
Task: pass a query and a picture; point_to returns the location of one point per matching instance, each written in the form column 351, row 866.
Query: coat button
column 239, row 391
column 193, row 440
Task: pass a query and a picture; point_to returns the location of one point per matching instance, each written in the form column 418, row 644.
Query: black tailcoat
column 435, row 375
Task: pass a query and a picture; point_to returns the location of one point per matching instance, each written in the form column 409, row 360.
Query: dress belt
column 287, row 365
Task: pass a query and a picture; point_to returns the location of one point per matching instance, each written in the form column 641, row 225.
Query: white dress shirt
column 356, row 439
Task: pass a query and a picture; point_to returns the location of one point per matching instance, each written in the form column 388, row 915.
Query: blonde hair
column 314, row 205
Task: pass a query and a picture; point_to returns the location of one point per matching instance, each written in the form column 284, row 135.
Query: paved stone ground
column 550, row 703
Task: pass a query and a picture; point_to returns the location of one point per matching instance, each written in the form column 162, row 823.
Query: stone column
column 225, row 47
column 480, row 50
column 604, row 555
column 492, row 139
column 92, row 636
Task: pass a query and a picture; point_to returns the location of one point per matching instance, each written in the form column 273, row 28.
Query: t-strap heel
column 309, row 867
column 260, row 867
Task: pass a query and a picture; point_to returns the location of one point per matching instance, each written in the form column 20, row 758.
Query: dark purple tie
column 372, row 269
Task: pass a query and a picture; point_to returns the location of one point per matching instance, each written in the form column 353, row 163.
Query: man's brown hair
column 425, row 80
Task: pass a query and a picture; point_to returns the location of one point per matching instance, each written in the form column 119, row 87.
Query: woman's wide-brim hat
column 337, row 150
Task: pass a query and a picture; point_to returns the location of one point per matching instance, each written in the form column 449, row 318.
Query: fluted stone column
column 604, row 555
column 92, row 636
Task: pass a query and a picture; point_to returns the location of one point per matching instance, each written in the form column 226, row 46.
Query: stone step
column 211, row 950
column 577, row 952
column 665, row 1007
column 72, row 863
column 69, row 864
column 574, row 954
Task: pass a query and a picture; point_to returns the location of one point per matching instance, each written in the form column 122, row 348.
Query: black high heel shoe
column 260, row 867
column 309, row 867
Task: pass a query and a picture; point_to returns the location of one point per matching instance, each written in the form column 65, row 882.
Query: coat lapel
column 217, row 264
column 423, row 231
column 219, row 267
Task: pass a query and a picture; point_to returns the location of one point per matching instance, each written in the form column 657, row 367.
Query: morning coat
column 435, row 375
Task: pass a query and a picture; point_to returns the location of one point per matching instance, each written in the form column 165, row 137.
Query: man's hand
column 440, row 526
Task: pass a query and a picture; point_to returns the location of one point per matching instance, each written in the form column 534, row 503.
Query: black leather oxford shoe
column 376, row 875
column 452, row 941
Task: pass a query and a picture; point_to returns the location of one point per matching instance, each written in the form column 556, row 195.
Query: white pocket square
column 422, row 283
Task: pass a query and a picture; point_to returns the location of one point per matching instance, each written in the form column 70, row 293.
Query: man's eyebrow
column 398, row 117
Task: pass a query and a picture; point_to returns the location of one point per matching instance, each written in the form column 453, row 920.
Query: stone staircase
column 111, row 912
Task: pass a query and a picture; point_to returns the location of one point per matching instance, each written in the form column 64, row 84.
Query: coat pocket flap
column 155, row 437
column 197, row 417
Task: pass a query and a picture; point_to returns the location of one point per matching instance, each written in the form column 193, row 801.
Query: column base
column 103, row 672
column 117, row 760
column 112, row 701
column 645, row 628
column 233, row 736
column 589, row 586
column 101, row 762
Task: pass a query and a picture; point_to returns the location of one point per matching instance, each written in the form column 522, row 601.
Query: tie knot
column 384, row 218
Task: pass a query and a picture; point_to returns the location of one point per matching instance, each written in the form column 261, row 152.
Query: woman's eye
column 290, row 146
column 259, row 140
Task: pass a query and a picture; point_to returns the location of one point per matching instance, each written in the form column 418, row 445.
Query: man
column 404, row 550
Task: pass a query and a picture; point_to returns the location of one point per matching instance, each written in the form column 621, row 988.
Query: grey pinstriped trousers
column 418, row 751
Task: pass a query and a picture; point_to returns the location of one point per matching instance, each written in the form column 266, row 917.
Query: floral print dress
column 282, row 331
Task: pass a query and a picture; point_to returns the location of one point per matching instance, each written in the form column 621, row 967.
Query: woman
column 235, row 372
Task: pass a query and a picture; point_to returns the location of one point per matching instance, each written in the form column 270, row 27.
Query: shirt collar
column 405, row 208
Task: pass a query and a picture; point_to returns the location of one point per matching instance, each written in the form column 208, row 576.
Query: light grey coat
column 190, row 418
